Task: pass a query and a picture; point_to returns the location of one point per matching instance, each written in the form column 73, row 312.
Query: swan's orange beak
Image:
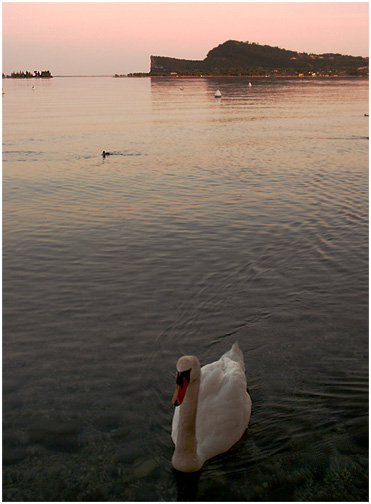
column 179, row 393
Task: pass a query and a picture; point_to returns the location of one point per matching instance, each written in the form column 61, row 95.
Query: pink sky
column 91, row 38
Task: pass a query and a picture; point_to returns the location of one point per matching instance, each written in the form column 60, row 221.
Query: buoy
column 218, row 94
column 250, row 84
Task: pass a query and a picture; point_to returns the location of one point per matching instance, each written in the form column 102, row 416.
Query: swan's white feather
column 224, row 406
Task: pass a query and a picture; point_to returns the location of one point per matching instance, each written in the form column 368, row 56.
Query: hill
column 249, row 58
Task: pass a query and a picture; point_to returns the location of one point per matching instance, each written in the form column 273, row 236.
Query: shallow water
column 243, row 218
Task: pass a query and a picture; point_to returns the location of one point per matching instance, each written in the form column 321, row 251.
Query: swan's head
column 188, row 370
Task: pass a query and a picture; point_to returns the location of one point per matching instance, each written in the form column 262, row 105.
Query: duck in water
column 104, row 154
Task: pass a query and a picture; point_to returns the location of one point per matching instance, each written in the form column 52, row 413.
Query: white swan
column 215, row 408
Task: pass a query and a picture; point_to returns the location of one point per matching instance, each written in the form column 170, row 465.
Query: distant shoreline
column 241, row 77
column 309, row 77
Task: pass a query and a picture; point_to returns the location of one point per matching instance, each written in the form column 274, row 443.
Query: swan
column 214, row 408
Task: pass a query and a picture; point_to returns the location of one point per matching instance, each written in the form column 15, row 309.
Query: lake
column 243, row 218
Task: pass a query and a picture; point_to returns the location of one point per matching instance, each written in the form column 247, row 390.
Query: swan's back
column 224, row 406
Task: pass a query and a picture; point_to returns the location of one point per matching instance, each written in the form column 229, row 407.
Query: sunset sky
column 94, row 38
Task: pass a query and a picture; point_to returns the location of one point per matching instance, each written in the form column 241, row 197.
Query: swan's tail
column 235, row 354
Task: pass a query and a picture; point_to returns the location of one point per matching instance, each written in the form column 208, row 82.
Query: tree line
column 44, row 74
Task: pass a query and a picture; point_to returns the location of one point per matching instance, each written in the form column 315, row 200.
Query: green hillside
column 245, row 58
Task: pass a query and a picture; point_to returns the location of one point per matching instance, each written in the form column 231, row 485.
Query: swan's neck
column 185, row 456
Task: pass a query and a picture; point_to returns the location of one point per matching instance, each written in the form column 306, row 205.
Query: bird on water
column 213, row 408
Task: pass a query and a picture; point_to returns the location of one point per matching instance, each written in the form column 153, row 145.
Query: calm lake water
column 241, row 218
